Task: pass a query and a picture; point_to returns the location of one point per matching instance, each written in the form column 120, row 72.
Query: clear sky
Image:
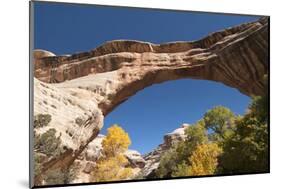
column 161, row 108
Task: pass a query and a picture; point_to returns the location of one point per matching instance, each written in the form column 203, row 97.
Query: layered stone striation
column 237, row 57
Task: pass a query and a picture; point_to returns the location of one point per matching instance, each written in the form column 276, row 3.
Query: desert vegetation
column 112, row 164
column 48, row 146
column 221, row 143
column 42, row 120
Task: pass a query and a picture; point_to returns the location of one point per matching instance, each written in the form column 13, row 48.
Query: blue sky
column 161, row 108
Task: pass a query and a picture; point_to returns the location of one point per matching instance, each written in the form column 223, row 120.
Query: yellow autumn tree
column 112, row 165
column 203, row 160
column 110, row 169
column 116, row 141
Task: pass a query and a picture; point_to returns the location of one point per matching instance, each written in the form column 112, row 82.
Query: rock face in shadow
column 79, row 90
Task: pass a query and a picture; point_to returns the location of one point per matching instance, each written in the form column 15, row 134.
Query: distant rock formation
column 152, row 159
column 79, row 90
column 177, row 135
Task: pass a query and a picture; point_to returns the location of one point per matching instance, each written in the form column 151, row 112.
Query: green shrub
column 61, row 176
column 48, row 143
column 37, row 164
column 42, row 120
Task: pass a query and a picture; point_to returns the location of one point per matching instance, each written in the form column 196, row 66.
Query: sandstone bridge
column 90, row 85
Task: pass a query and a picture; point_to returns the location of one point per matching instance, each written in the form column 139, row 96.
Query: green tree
column 219, row 122
column 195, row 135
column 221, row 143
column 180, row 170
column 247, row 150
column 168, row 163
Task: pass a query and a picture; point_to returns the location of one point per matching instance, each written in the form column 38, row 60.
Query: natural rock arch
column 94, row 83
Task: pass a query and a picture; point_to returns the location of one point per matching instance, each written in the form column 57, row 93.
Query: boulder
column 135, row 159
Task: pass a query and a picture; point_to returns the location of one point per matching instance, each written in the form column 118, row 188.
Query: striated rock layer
column 79, row 90
column 236, row 57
